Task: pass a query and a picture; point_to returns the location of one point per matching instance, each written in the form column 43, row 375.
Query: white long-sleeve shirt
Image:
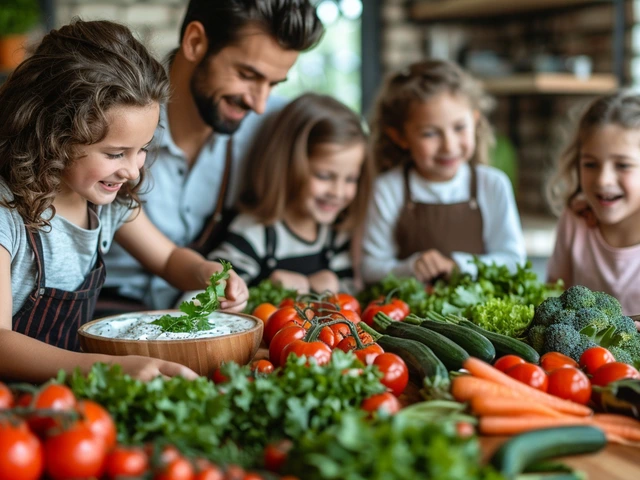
column 501, row 229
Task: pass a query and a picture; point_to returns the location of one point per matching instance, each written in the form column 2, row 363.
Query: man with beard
column 231, row 54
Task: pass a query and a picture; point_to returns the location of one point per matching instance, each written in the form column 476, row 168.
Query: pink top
column 582, row 257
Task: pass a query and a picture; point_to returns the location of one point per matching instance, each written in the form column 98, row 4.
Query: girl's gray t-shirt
column 70, row 252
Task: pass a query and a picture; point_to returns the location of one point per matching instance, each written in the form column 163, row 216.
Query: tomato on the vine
column 593, row 358
column 346, row 302
column 327, row 336
column 394, row 370
column 281, row 339
column 396, row 309
column 570, row 383
column 6, row 397
column 553, row 360
column 275, row 454
column 506, row 362
column 74, row 453
column 317, row 350
column 218, row 377
column 386, row 401
column 262, row 366
column 21, row 455
column 99, row 422
column 281, row 318
column 177, row 469
column 530, row 374
column 126, row 462
column 610, row 372
column 209, row 472
column 51, row 397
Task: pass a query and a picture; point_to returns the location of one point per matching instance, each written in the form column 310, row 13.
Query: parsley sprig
column 196, row 315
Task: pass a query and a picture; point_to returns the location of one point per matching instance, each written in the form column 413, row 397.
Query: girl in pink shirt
column 598, row 246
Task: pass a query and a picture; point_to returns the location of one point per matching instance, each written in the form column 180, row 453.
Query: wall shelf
column 551, row 83
column 472, row 9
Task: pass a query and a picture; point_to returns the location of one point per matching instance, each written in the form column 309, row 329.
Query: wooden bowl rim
column 81, row 330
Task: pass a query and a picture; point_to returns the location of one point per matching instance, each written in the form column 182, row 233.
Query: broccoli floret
column 623, row 324
column 586, row 317
column 565, row 339
column 607, row 304
column 547, row 311
column 566, row 317
column 577, row 297
column 630, row 343
column 535, row 337
column 621, row 355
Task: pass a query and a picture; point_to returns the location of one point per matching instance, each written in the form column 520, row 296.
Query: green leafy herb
column 267, row 292
column 196, row 314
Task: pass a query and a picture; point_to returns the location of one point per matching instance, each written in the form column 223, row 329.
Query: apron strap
column 473, row 187
column 33, row 236
column 407, row 189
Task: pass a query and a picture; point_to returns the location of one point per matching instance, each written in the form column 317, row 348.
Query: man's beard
column 209, row 110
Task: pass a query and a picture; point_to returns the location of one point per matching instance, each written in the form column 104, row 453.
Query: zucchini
column 515, row 455
column 449, row 352
column 475, row 344
column 421, row 362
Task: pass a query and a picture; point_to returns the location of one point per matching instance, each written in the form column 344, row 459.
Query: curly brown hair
column 417, row 83
column 58, row 99
column 282, row 151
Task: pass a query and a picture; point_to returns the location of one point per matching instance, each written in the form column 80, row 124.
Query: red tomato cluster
column 565, row 378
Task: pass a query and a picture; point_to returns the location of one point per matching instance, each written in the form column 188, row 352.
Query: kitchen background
column 541, row 59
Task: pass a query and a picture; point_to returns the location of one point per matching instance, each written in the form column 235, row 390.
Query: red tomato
column 275, row 454
column 382, row 401
column 177, row 469
column 21, row 456
column 209, row 472
column 317, row 350
column 6, row 397
column 341, row 331
column 352, row 316
column 346, row 302
column 570, row 383
column 530, row 374
column 126, row 462
column 610, row 372
column 51, row 397
column 99, row 422
column 218, row 376
column 396, row 309
column 262, row 366
column 368, row 354
column 593, row 358
column 465, row 429
column 74, row 453
column 281, row 318
column 252, row 476
column 394, row 370
column 281, row 339
column 234, row 472
column 553, row 360
column 505, row 363
column 327, row 336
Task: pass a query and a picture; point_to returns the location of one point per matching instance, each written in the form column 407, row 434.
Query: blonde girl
column 601, row 166
column 306, row 192
column 76, row 121
column 438, row 203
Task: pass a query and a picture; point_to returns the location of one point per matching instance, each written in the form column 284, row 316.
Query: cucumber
column 450, row 353
column 513, row 457
column 476, row 344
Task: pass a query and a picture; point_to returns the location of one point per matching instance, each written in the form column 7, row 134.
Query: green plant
column 18, row 16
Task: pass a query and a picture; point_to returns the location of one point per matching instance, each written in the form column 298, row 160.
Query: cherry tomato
column 396, row 309
column 177, row 469
column 505, row 363
column 209, row 472
column 593, row 358
column 234, row 472
column 126, row 462
column 386, row 401
column 281, row 339
column 327, row 336
column 340, row 331
column 218, row 377
column 465, row 429
column 275, row 454
column 264, row 311
column 349, row 315
column 530, row 374
column 570, row 383
column 610, row 372
column 281, row 318
column 74, row 453
column 317, row 350
column 21, row 455
column 6, row 397
column 553, row 360
column 99, row 422
column 252, row 476
column 262, row 366
column 346, row 302
column 51, row 397
column 394, row 370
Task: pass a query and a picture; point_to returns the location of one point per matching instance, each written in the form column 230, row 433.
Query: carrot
column 481, row 369
column 501, row 406
column 628, row 432
column 466, row 387
column 616, row 419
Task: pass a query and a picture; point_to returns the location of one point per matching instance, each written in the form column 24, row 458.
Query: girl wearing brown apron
column 437, row 204
column 76, row 122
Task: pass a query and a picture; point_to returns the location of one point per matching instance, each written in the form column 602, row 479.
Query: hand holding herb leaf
column 196, row 314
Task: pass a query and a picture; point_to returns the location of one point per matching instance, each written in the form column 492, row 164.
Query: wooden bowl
column 202, row 355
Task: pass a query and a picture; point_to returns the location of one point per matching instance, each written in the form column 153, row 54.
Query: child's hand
column 147, row 368
column 324, row 280
column 236, row 293
column 288, row 279
column 432, row 264
column 580, row 207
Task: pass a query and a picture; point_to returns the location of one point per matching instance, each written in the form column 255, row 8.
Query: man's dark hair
column 294, row 24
